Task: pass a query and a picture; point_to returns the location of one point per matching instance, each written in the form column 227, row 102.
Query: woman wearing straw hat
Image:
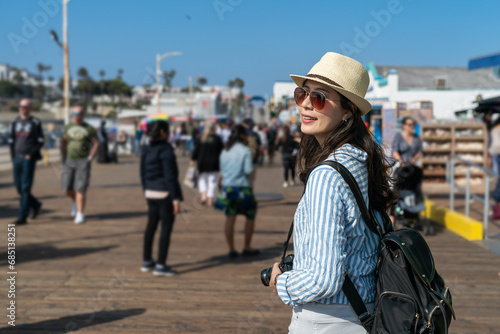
column 330, row 236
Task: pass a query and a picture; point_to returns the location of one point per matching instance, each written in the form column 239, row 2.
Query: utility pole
column 66, row 61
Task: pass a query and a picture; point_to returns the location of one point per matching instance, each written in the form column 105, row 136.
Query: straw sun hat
column 343, row 74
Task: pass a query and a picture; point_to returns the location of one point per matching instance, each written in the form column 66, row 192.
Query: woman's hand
column 191, row 163
column 276, row 272
column 177, row 207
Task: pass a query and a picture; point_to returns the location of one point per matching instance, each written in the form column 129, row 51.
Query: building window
column 440, row 83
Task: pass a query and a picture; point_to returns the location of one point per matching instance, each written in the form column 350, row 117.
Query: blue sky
column 256, row 40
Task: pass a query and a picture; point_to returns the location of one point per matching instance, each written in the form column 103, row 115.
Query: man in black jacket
column 25, row 139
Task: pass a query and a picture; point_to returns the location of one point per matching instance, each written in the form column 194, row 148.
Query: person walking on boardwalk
column 159, row 179
column 102, row 151
column 289, row 151
column 330, row 236
column 78, row 148
column 207, row 150
column 25, row 139
column 236, row 196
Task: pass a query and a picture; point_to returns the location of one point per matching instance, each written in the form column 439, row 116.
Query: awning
column 491, row 105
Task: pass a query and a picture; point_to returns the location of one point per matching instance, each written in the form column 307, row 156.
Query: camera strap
column 285, row 244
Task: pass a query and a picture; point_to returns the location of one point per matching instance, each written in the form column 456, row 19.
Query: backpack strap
column 348, row 287
column 347, row 176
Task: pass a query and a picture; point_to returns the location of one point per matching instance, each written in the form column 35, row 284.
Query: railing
column 469, row 196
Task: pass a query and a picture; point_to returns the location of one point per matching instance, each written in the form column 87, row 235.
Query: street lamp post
column 66, row 61
column 190, row 93
column 159, row 58
column 64, row 46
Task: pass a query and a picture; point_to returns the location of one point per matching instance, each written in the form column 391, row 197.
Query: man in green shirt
column 79, row 146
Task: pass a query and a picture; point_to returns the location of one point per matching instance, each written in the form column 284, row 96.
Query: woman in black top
column 206, row 153
column 159, row 177
column 289, row 150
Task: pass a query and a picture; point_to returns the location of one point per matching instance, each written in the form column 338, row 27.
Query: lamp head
column 54, row 36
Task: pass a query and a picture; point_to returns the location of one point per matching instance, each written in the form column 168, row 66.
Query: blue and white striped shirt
column 330, row 237
column 236, row 166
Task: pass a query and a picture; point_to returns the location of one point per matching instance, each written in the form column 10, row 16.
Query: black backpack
column 411, row 297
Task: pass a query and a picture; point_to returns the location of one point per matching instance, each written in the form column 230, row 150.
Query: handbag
column 191, row 178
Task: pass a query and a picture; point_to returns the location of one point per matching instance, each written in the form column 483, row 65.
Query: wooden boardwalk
column 87, row 278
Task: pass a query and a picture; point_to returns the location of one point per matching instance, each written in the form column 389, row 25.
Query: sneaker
column 292, row 183
column 233, row 255
column 80, row 218
column 20, row 221
column 73, row 210
column 163, row 270
column 147, row 266
column 285, row 184
column 35, row 211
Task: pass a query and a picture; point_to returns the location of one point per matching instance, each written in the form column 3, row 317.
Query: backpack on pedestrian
column 411, row 297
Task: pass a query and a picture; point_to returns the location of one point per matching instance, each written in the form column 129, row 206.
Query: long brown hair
column 210, row 129
column 353, row 131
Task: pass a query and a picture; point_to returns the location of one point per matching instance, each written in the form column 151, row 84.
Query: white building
column 8, row 72
column 199, row 105
column 282, row 91
column 208, row 103
column 448, row 88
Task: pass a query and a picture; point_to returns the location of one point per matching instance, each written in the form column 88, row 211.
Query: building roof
column 427, row 77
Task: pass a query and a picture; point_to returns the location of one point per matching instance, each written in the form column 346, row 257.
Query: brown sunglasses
column 317, row 98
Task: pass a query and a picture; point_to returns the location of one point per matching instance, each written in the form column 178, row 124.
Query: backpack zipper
column 399, row 294
column 430, row 316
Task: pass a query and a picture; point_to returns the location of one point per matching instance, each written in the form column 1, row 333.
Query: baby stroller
column 411, row 200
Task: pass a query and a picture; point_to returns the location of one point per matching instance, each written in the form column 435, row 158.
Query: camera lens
column 265, row 276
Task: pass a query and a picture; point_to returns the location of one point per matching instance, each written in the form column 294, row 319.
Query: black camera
column 286, row 264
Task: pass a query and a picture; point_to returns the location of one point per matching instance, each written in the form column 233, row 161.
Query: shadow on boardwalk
column 73, row 322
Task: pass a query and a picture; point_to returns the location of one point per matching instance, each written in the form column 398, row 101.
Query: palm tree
column 239, row 83
column 42, row 68
column 85, row 84
column 101, row 83
column 120, row 73
column 202, row 81
column 82, row 73
column 239, row 101
column 168, row 77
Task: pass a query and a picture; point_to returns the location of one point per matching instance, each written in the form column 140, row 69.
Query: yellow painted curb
column 462, row 225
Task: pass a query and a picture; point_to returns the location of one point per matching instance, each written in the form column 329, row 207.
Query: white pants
column 313, row 318
column 207, row 182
